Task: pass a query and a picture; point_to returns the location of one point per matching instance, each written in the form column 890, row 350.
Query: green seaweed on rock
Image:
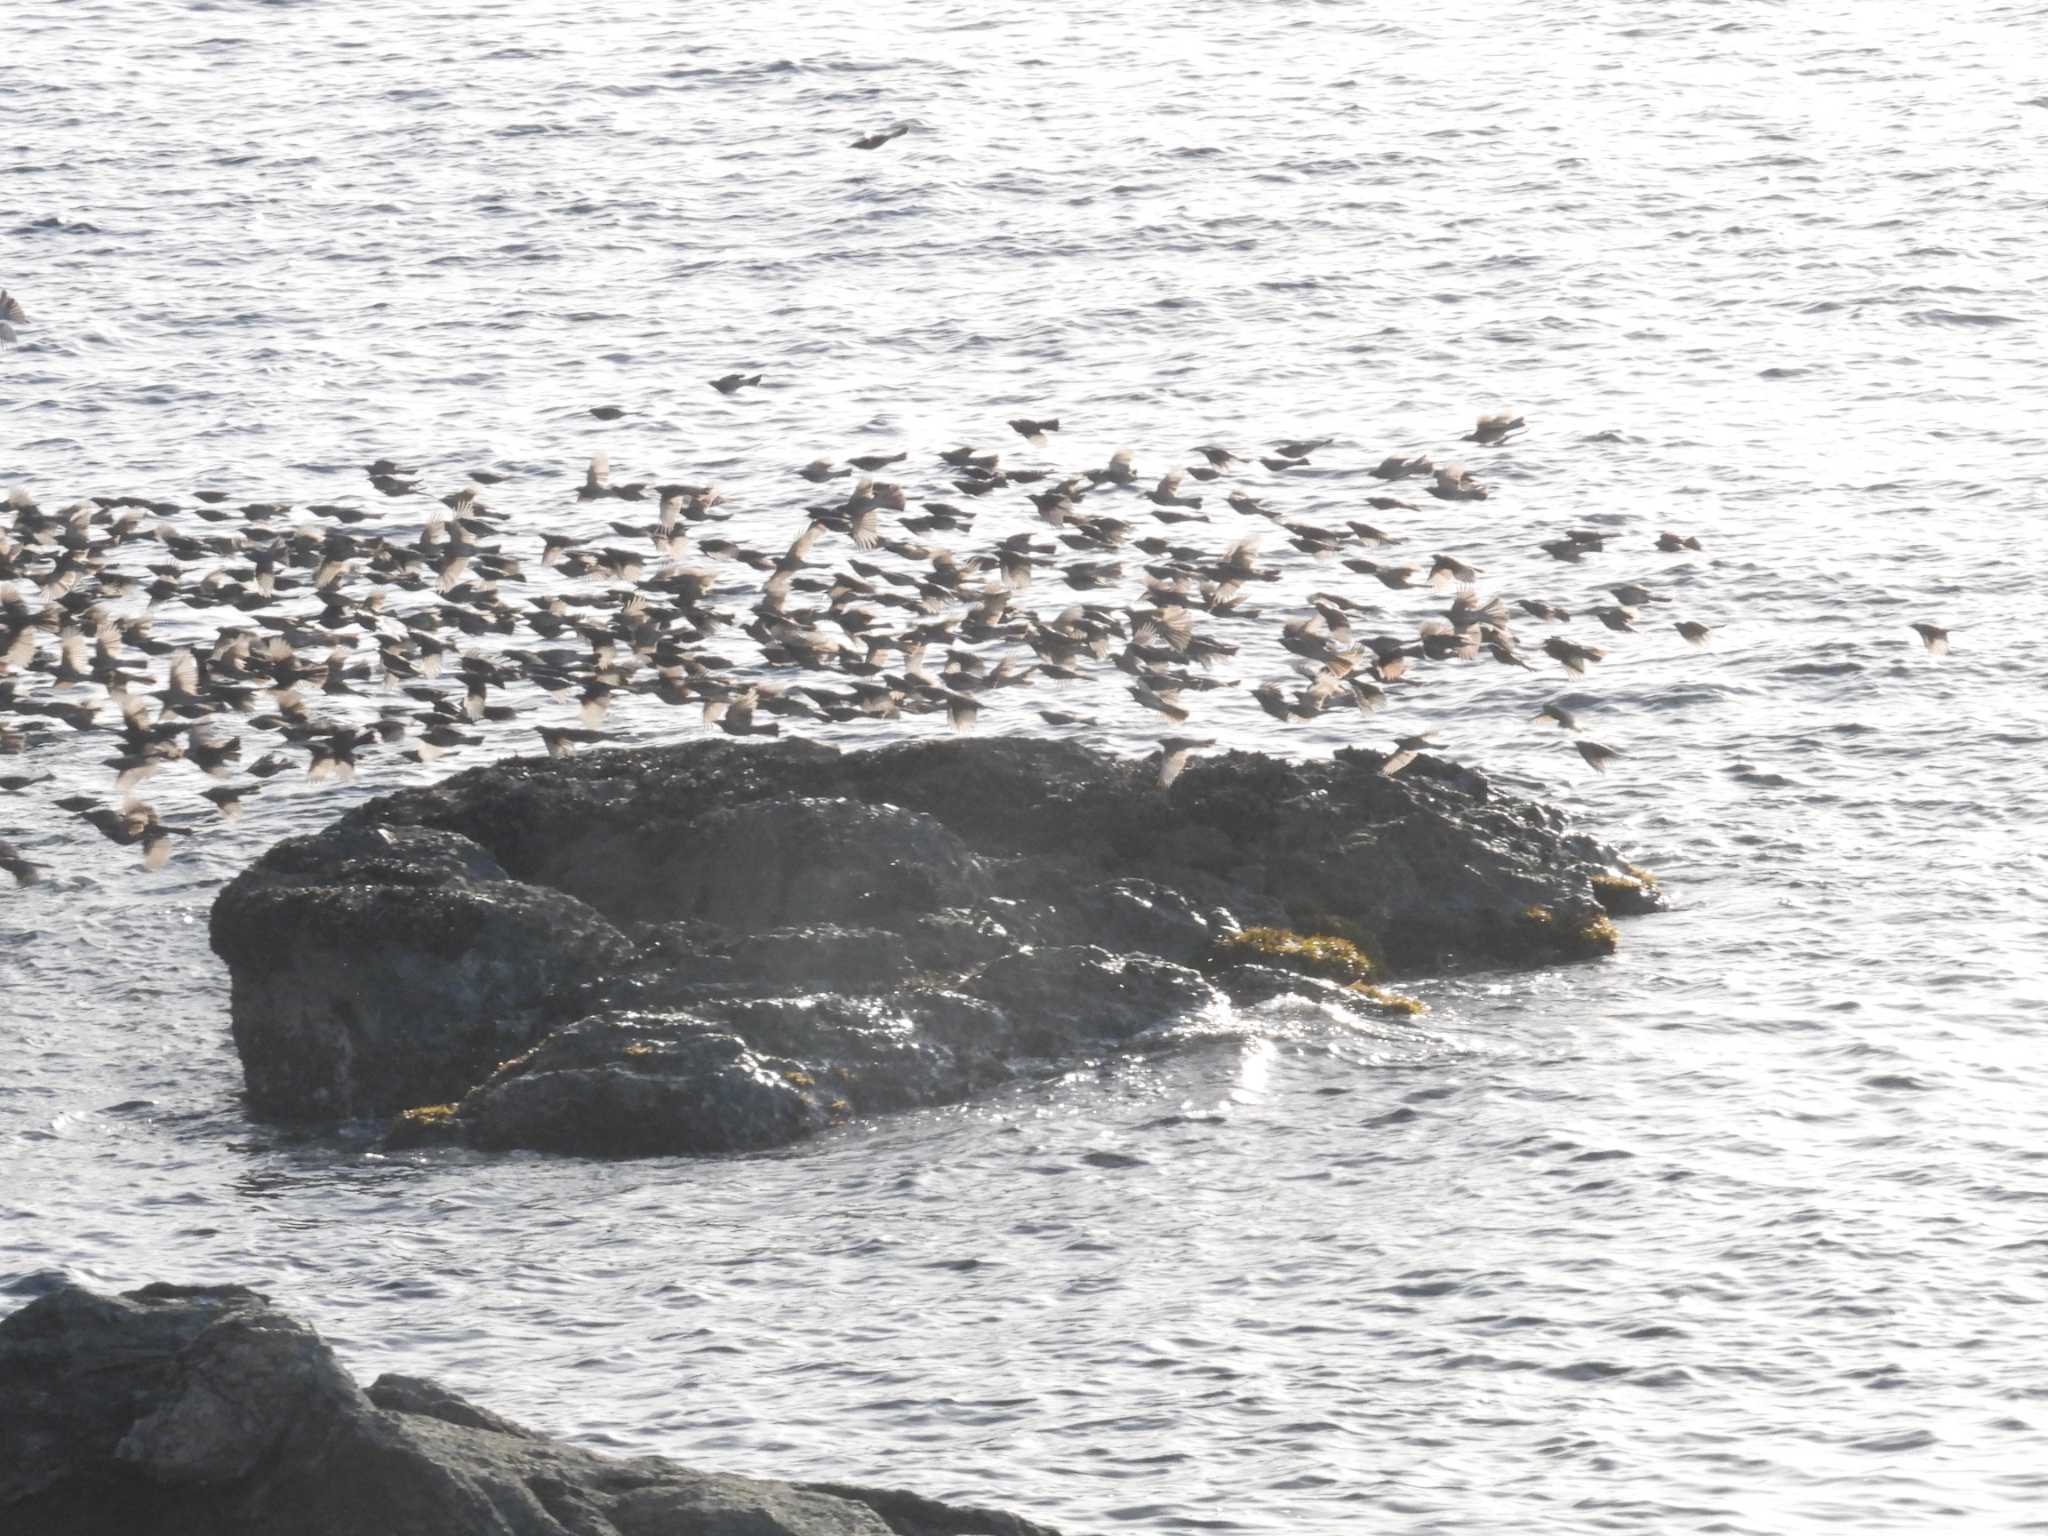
column 1325, row 956
column 1353, row 932
column 1397, row 1003
column 1318, row 954
column 1586, row 935
column 1596, row 935
column 1626, row 895
column 428, row 1125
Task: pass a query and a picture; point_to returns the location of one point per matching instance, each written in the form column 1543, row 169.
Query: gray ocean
column 1744, row 1230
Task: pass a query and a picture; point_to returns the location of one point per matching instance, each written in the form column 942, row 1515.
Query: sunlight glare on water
column 1740, row 1231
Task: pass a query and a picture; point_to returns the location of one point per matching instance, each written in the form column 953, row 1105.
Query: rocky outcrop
column 719, row 947
column 376, row 965
column 204, row 1411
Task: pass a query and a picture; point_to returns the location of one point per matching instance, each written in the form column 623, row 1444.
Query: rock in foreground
column 204, row 1411
column 715, row 947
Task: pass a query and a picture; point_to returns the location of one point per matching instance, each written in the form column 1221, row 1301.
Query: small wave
column 1906, row 1440
column 1589, row 1370
column 1966, row 319
column 1106, row 1159
column 52, row 225
column 1424, row 1289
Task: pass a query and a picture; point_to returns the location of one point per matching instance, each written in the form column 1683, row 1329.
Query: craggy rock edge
column 714, row 947
column 204, row 1411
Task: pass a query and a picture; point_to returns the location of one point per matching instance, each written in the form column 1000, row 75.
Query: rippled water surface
column 1743, row 1230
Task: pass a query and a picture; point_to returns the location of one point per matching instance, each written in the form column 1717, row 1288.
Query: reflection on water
column 1737, row 1231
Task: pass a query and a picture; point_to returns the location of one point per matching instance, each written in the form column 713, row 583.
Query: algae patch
column 1397, row 1003
column 1597, row 935
column 1318, row 954
column 1627, row 895
column 1324, row 956
column 428, row 1125
column 1585, row 935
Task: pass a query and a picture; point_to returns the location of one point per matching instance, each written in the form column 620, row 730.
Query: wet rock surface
column 205, row 1411
column 380, row 966
column 719, row 947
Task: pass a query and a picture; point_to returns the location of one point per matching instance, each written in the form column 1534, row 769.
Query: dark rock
column 686, row 961
column 957, row 939
column 627, row 1084
column 204, row 1411
column 1056, row 999
column 816, row 933
column 824, row 955
column 1148, row 917
column 1434, row 861
column 375, row 968
column 890, row 1052
column 739, row 1075
column 429, row 1399
column 1250, row 985
column 778, row 863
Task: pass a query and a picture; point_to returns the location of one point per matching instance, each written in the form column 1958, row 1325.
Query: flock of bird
column 174, row 637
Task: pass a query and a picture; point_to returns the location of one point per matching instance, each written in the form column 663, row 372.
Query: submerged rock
column 718, row 947
column 205, row 1411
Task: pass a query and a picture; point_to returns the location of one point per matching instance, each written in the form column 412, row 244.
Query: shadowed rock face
column 204, row 1411
column 376, row 965
column 718, row 947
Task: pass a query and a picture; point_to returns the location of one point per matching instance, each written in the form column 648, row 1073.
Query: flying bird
column 1597, row 757
column 11, row 859
column 1299, row 451
column 1395, row 467
column 1571, row 655
column 1494, row 430
column 1934, row 637
column 1406, row 751
column 1173, row 756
